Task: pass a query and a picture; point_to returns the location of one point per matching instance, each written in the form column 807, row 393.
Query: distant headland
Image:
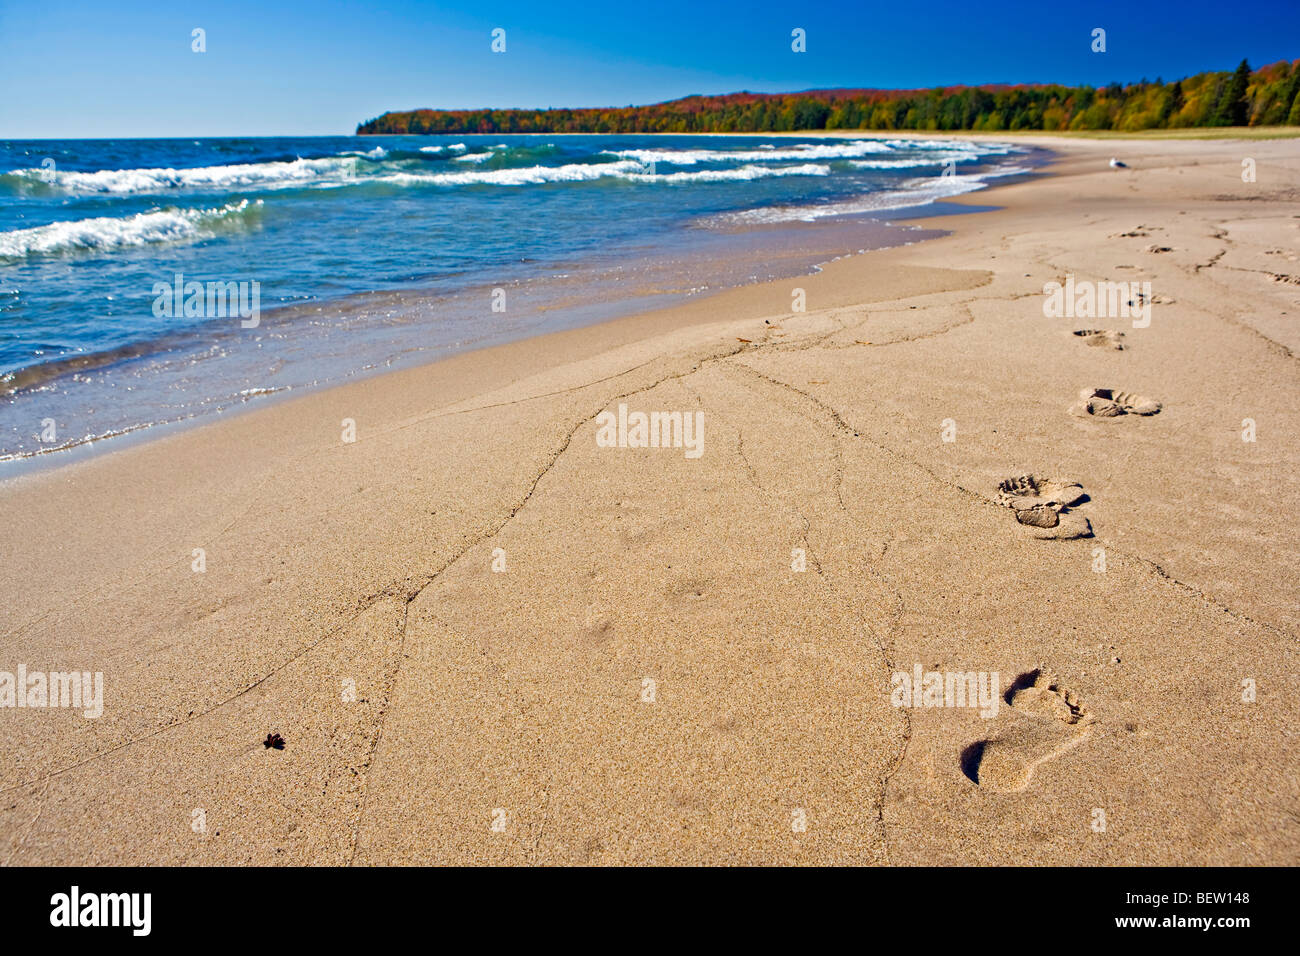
column 1244, row 97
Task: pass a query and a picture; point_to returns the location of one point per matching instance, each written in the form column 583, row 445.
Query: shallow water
column 374, row 252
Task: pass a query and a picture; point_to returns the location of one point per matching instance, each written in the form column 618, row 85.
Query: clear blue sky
column 125, row 68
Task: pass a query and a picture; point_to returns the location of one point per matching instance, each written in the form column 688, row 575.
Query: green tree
column 1233, row 108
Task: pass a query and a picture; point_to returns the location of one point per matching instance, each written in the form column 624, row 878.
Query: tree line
column 1244, row 97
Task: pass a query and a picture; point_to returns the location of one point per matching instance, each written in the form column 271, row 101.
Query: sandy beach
column 487, row 636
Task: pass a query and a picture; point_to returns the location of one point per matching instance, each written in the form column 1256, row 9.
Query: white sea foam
column 740, row 174
column 912, row 192
column 766, row 154
column 579, row 172
column 934, row 159
column 981, row 147
column 263, row 175
column 524, row 176
column 106, row 233
column 375, row 165
column 333, row 172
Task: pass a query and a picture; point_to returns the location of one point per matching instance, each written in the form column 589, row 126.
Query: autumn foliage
column 1263, row 97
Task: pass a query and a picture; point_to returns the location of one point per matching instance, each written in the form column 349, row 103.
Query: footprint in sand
column 1046, row 720
column 1102, row 338
column 1142, row 300
column 1110, row 403
column 1043, row 505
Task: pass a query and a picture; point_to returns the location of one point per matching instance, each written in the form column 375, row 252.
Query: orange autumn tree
column 1244, row 97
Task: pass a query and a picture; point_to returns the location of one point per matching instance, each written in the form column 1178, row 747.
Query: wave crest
column 764, row 154
column 261, row 175
column 106, row 233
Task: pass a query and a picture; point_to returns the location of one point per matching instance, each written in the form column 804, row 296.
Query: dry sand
column 522, row 697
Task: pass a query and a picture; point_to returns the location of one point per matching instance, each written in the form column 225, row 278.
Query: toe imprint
column 1031, row 491
column 1051, row 719
column 1043, row 505
column 1040, row 693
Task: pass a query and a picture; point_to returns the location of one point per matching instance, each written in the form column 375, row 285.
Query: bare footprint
column 1102, row 338
column 1047, row 720
column 1043, row 506
column 1110, row 403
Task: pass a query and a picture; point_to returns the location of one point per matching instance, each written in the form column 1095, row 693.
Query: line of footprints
column 1044, row 505
column 1049, row 719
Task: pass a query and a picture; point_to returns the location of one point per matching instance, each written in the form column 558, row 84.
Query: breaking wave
column 913, row 192
column 106, row 233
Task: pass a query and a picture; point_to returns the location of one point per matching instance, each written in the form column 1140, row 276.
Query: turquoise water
column 378, row 251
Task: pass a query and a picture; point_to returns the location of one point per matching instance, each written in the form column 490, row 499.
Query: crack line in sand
column 723, row 356
column 392, row 591
column 977, row 496
column 882, row 643
column 253, row 499
column 379, row 733
column 546, row 469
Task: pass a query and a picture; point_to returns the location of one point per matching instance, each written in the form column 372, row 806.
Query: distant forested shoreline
column 1244, row 97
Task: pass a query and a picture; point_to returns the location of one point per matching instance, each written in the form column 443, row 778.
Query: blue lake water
column 372, row 252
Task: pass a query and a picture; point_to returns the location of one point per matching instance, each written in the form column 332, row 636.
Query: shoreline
column 1242, row 133
column 19, row 464
column 497, row 588
column 575, row 341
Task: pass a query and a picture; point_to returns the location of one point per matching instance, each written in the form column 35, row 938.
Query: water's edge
column 899, row 229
